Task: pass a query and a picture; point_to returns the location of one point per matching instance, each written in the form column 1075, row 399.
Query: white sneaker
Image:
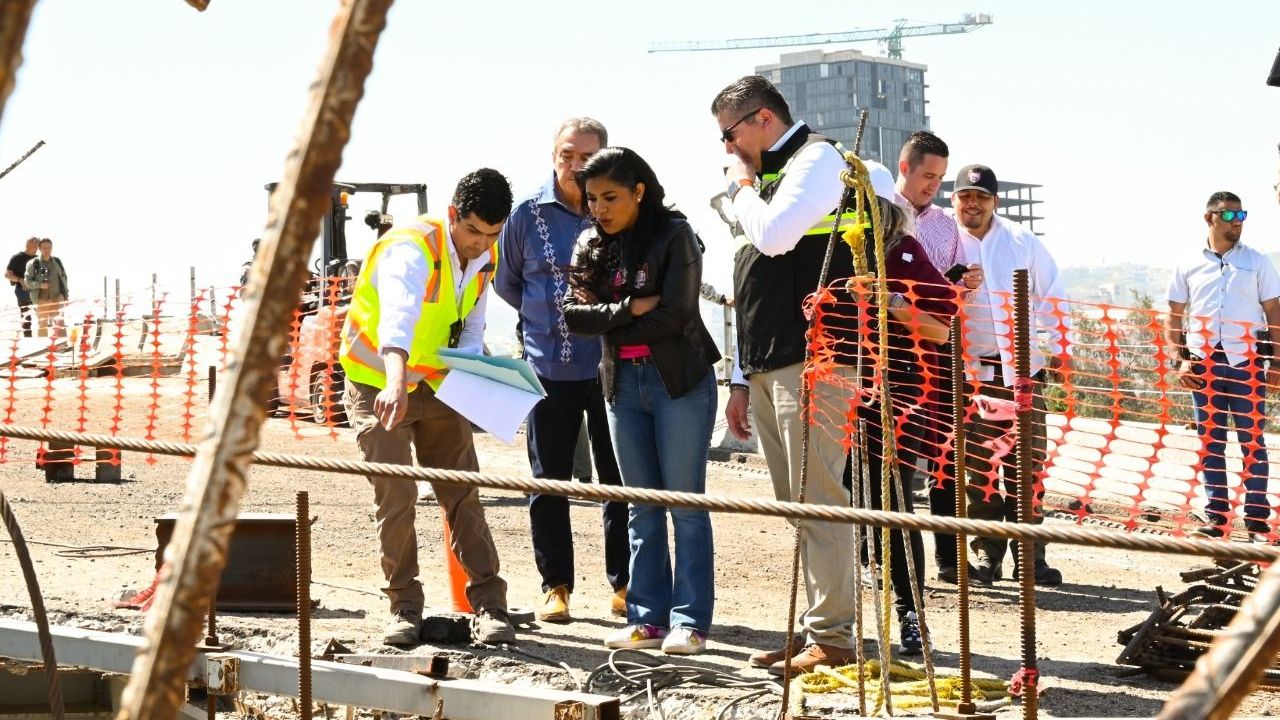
column 684, row 641
column 635, row 637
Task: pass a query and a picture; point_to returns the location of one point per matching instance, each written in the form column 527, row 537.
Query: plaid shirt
column 937, row 233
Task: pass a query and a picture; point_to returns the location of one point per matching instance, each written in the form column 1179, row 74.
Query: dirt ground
column 1105, row 591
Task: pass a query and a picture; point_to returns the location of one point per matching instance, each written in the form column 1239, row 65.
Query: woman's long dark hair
column 604, row 252
column 625, row 167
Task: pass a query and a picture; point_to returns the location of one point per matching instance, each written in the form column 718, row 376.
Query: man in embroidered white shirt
column 1000, row 246
column 1222, row 298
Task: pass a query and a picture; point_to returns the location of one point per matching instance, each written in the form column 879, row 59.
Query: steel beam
column 332, row 682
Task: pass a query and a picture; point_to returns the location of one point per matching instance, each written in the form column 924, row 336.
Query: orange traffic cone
column 457, row 576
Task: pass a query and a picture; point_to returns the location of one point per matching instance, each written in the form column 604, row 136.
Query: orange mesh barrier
column 1123, row 439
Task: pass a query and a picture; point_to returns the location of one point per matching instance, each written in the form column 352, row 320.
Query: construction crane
column 891, row 38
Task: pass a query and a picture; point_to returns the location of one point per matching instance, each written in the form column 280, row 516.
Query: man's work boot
column 404, row 628
column 948, row 574
column 765, row 658
column 984, row 572
column 492, row 627
column 618, row 603
column 555, row 605
column 1045, row 575
column 813, row 655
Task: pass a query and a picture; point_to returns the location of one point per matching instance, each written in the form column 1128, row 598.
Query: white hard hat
column 881, row 180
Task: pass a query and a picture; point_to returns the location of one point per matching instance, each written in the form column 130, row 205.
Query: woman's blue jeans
column 661, row 443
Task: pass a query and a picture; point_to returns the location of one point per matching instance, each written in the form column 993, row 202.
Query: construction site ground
column 1105, row 590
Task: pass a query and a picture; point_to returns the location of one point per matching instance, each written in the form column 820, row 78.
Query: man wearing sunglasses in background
column 784, row 183
column 1229, row 294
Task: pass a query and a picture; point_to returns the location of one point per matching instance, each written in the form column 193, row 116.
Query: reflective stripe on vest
column 440, row 309
column 827, row 223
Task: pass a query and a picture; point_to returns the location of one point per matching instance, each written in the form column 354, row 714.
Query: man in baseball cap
column 977, row 177
column 1001, row 246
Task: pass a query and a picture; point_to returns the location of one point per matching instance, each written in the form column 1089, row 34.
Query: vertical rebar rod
column 303, row 532
column 197, row 552
column 15, row 16
column 57, row 709
column 962, row 511
column 1022, row 390
column 117, row 297
column 193, row 283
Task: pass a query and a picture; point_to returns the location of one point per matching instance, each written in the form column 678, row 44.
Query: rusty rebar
column 962, row 512
column 807, row 381
column 197, row 551
column 862, row 128
column 1236, row 661
column 57, row 709
column 22, row 159
column 1022, row 389
column 303, row 550
column 15, row 17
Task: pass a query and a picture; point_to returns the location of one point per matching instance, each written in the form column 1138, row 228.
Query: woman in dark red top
column 921, row 305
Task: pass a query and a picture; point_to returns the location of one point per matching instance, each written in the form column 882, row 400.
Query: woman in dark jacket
column 635, row 278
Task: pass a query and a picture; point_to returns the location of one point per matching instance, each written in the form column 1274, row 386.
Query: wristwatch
column 739, row 386
column 898, row 302
column 735, row 186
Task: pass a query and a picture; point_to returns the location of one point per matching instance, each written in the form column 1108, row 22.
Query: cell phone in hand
column 956, row 272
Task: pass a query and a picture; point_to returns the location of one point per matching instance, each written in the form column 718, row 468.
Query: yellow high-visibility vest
column 440, row 308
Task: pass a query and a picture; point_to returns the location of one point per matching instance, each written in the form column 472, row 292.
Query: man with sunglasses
column 1223, row 298
column 784, row 185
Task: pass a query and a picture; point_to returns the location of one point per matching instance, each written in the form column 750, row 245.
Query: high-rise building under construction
column 828, row 89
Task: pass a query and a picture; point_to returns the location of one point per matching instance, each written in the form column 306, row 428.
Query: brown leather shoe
column 765, row 658
column 813, row 655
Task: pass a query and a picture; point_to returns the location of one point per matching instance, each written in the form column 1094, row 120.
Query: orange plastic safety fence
column 1121, row 434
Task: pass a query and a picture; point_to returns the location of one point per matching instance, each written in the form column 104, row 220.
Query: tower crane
column 891, row 38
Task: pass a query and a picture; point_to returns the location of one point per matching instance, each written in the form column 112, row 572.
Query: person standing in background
column 14, row 273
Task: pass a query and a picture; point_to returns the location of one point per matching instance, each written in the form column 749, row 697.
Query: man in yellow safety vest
column 424, row 287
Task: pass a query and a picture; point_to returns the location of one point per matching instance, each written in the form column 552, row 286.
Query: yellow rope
column 868, row 209
column 909, row 685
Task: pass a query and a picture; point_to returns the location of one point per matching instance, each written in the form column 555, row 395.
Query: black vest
column 769, row 292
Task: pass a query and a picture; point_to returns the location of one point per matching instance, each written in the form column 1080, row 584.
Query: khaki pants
column 49, row 323
column 826, row 549
column 985, row 502
column 440, row 438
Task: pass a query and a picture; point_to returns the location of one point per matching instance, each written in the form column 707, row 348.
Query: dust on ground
column 1105, row 590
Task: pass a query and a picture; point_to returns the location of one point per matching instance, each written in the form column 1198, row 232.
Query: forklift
column 309, row 380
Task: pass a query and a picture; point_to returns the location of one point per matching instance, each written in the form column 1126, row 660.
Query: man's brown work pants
column 440, row 438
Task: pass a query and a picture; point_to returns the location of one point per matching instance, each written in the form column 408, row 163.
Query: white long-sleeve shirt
column 988, row 315
column 809, row 192
column 401, row 278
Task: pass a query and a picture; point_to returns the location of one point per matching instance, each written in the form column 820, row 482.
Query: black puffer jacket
column 616, row 269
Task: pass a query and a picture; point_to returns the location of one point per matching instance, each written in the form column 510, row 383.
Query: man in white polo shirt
column 1227, row 292
column 1000, row 246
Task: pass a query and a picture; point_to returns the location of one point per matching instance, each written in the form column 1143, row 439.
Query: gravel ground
column 1105, row 591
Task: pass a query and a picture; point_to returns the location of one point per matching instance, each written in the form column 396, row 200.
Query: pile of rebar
column 1182, row 627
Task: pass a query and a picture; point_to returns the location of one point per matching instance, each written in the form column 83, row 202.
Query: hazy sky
column 163, row 124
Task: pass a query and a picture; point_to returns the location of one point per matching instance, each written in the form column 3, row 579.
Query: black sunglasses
column 727, row 135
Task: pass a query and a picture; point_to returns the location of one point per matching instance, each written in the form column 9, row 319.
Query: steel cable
column 715, row 503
